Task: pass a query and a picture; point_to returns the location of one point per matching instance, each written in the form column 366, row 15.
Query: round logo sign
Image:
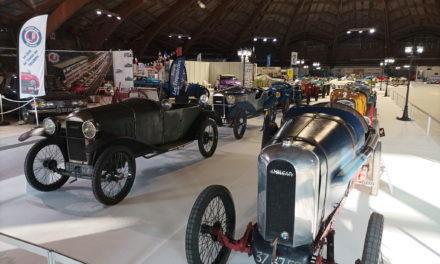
column 53, row 57
column 31, row 36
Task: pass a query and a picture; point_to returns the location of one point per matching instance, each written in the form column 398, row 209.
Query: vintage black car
column 101, row 143
column 55, row 102
column 234, row 105
column 304, row 177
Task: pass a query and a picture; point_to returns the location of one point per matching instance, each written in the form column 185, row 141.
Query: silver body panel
column 322, row 146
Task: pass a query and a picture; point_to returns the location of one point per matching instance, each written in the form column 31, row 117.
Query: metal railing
column 420, row 116
column 52, row 256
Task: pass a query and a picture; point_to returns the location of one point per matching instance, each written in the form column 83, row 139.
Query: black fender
column 193, row 132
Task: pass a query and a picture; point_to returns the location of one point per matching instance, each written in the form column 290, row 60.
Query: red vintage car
column 29, row 83
column 309, row 90
column 77, row 87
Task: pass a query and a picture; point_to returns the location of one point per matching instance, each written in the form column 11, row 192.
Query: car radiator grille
column 75, row 141
column 219, row 105
column 280, row 200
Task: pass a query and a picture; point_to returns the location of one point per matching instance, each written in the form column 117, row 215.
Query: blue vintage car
column 144, row 81
column 286, row 94
column 234, row 105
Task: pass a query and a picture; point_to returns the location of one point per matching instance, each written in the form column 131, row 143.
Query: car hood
column 60, row 96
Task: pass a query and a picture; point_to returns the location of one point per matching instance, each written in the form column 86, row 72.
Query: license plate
column 64, row 109
column 264, row 258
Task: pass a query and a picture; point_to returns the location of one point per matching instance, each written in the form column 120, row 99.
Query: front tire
column 208, row 138
column 113, row 175
column 376, row 168
column 41, row 163
column 373, row 240
column 240, row 123
column 214, row 208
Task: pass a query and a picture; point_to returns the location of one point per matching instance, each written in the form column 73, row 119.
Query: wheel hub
column 206, row 137
column 50, row 164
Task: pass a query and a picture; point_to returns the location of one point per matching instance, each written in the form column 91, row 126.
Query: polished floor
column 149, row 225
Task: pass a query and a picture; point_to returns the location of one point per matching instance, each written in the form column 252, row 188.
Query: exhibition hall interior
column 219, row 131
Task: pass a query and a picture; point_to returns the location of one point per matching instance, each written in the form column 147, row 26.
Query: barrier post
column 428, row 126
column 2, row 122
column 36, row 114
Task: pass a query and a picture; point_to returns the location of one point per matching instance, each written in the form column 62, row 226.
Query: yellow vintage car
column 353, row 98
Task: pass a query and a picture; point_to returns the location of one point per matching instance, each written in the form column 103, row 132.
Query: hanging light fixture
column 98, row 12
column 201, row 4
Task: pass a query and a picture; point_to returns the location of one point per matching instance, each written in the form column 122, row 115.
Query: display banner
column 268, row 60
column 248, row 74
column 293, row 58
column 32, row 46
column 177, row 76
column 123, row 69
column 290, row 73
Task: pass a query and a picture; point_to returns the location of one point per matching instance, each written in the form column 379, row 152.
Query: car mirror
column 165, row 105
column 381, row 132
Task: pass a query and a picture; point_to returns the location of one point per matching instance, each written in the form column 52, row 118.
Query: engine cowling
column 302, row 172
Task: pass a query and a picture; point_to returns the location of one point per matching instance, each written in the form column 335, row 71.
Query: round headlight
column 203, row 98
column 89, row 129
column 49, row 126
column 231, row 99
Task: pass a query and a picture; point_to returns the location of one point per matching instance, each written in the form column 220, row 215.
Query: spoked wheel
column 373, row 240
column 208, row 138
column 113, row 175
column 213, row 211
column 240, row 122
column 286, row 106
column 269, row 131
column 42, row 163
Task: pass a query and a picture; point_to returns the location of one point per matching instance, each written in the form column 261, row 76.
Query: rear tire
column 268, row 132
column 373, row 240
column 214, row 207
column 208, row 138
column 240, row 123
column 27, row 117
column 286, row 106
